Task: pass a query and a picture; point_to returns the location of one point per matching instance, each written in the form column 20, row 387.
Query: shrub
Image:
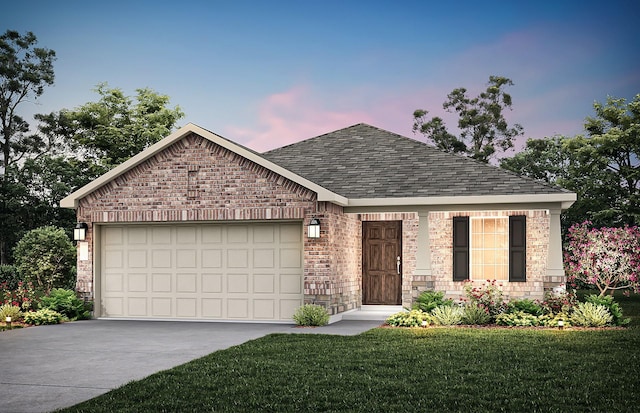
column 488, row 296
column 517, row 318
column 552, row 320
column 475, row 315
column 9, row 277
column 612, row 306
column 446, row 315
column 607, row 258
column 42, row 317
column 559, row 302
column 591, row 315
column 413, row 318
column 428, row 300
column 526, row 306
column 311, row 315
column 46, row 257
column 66, row 303
column 8, row 310
column 25, row 296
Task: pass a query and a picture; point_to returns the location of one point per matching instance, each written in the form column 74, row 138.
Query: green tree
column 46, row 257
column 602, row 167
column 482, row 125
column 116, row 127
column 25, row 70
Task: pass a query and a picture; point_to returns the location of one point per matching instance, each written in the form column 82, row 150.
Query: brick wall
column 333, row 263
column 441, row 236
column 192, row 180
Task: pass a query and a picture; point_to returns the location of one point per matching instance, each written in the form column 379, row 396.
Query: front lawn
column 389, row 370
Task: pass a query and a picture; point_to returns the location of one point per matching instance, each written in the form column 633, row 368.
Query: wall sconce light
column 80, row 231
column 314, row 228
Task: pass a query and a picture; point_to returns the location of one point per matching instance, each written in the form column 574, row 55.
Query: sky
column 269, row 73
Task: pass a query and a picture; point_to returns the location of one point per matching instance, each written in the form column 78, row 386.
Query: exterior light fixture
column 560, row 324
column 8, row 321
column 314, row 228
column 80, row 231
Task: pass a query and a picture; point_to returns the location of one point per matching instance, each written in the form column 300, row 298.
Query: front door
column 381, row 262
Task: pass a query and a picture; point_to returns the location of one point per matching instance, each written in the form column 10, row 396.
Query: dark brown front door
column 381, row 258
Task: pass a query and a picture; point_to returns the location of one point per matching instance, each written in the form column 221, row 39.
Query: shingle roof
column 363, row 161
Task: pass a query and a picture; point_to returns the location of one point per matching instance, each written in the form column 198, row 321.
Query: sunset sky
column 268, row 73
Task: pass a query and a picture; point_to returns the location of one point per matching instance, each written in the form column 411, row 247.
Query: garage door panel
column 237, row 258
column 113, row 307
column 137, row 306
column 161, row 283
column 290, row 284
column 186, row 307
column 264, row 309
column 238, row 283
column 112, row 236
column 290, row 258
column 288, row 308
column 212, row 307
column 237, row 308
column 161, row 258
column 137, row 282
column 207, row 271
column 264, row 234
column 161, row 307
column 212, row 258
column 161, row 235
column 186, row 258
column 113, row 282
column 264, row 258
column 237, row 234
column 113, row 258
column 186, row 235
column 137, row 258
column 137, row 235
column 264, row 283
column 187, row 283
column 212, row 235
column 211, row 283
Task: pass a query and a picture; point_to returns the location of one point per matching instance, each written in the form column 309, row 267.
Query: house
column 199, row 227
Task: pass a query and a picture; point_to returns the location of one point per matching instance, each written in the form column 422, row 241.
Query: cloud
column 293, row 115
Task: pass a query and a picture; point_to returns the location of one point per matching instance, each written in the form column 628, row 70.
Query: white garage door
column 204, row 271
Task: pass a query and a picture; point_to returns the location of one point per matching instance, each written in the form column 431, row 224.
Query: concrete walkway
column 50, row 367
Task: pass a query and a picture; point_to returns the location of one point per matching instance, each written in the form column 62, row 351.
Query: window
column 489, row 249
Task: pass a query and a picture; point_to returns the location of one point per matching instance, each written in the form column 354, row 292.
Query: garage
column 249, row 271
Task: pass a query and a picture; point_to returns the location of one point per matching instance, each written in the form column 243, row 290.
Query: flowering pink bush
column 25, row 296
column 608, row 258
column 488, row 296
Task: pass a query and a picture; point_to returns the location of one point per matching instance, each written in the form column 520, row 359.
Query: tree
column 25, row 70
column 607, row 258
column 602, row 168
column 46, row 257
column 482, row 125
column 115, row 128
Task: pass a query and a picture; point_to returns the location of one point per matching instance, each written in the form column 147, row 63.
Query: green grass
column 388, row 370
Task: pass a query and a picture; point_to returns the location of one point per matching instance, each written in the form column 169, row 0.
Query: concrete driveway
column 50, row 367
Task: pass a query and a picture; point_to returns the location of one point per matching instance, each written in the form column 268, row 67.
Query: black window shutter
column 518, row 248
column 460, row 248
